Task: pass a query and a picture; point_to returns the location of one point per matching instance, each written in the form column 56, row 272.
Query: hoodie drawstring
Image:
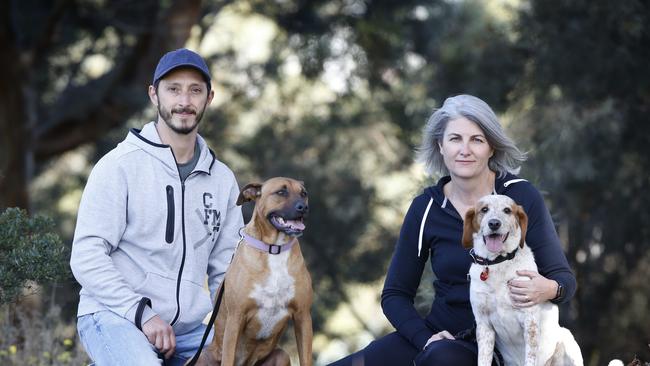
column 424, row 219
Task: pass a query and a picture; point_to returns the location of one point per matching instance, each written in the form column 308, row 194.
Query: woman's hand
column 532, row 291
column 438, row 336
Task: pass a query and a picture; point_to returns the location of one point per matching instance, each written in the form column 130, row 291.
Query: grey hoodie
column 141, row 232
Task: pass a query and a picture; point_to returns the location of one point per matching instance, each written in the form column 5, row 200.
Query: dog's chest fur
column 273, row 294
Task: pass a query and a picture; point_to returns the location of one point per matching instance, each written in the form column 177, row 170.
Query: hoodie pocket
column 169, row 232
column 162, row 292
column 195, row 304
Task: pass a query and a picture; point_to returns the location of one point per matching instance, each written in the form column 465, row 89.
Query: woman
column 463, row 142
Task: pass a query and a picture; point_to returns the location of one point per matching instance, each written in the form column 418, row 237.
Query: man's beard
column 166, row 116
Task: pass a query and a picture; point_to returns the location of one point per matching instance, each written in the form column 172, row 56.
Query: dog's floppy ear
column 468, row 228
column 523, row 223
column 249, row 193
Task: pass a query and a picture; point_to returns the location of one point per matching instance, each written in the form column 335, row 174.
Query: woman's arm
column 553, row 267
column 403, row 278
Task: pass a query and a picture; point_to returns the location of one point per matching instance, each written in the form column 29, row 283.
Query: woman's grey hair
column 507, row 158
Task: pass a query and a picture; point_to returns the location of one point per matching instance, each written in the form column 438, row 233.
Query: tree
column 396, row 61
column 589, row 84
column 52, row 100
column 339, row 100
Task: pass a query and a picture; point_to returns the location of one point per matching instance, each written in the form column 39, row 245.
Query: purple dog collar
column 269, row 248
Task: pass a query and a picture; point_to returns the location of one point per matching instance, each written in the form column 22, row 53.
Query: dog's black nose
column 301, row 207
column 494, row 224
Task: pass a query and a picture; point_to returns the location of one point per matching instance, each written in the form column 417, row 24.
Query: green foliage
column 407, row 57
column 570, row 76
column 29, row 251
column 590, row 90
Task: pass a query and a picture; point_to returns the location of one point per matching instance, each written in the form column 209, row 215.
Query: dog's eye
column 303, row 194
column 507, row 210
column 282, row 192
column 485, row 209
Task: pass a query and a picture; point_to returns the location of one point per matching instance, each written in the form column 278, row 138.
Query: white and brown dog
column 267, row 282
column 530, row 336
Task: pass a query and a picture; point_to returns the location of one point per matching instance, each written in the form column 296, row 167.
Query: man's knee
column 112, row 340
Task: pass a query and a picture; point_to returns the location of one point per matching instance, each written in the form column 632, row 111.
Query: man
column 158, row 213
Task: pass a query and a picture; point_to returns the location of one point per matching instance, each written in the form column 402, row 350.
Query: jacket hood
column 501, row 186
column 148, row 141
column 437, row 195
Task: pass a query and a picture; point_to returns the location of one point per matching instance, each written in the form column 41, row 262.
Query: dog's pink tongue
column 494, row 243
column 295, row 224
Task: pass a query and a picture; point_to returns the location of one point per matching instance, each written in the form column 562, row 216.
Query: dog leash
column 145, row 301
column 217, row 304
column 215, row 311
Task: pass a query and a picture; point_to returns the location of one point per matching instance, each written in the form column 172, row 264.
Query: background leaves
column 335, row 92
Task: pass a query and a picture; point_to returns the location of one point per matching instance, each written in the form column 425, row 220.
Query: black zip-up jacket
column 432, row 226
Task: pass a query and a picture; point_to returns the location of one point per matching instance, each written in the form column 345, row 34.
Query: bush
column 30, row 250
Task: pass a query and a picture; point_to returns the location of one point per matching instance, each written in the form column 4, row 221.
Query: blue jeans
column 109, row 339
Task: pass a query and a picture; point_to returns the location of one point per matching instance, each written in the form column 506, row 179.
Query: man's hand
column 161, row 335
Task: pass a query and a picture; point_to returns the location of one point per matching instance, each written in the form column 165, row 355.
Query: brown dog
column 267, row 282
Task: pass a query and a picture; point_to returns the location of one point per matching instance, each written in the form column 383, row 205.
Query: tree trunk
column 82, row 113
column 13, row 134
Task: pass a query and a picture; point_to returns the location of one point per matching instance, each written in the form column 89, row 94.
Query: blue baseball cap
column 181, row 57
